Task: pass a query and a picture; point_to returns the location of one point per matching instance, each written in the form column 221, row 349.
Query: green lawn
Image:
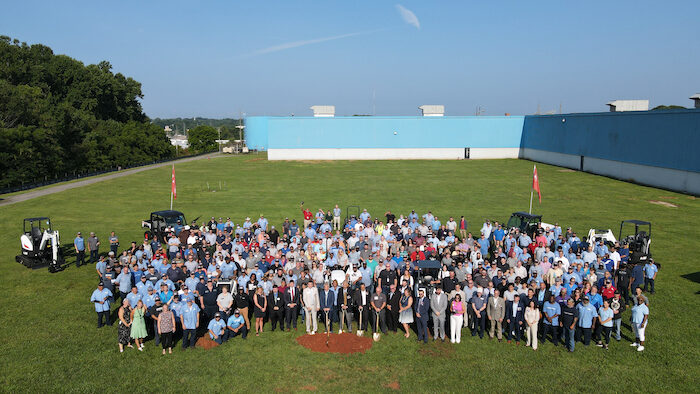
column 48, row 339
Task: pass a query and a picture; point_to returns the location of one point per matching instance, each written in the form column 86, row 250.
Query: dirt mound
column 337, row 343
column 206, row 343
column 664, row 203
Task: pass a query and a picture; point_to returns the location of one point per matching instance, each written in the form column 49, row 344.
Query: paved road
column 65, row 186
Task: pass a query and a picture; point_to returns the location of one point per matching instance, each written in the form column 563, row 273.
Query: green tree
column 202, row 139
column 667, row 107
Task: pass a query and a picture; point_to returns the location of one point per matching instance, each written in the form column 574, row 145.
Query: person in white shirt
column 312, row 304
column 451, row 225
column 486, row 229
column 562, row 260
column 615, row 257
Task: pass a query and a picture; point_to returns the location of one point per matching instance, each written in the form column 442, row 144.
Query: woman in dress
column 138, row 324
column 124, row 331
column 252, row 285
column 532, row 318
column 166, row 327
column 260, row 307
column 406, row 311
column 458, row 307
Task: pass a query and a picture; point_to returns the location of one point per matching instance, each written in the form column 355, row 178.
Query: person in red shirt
column 307, row 216
column 608, row 291
column 417, row 255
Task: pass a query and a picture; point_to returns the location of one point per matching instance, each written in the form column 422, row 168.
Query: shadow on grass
column 693, row 277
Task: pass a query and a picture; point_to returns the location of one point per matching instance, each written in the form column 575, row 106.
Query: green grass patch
column 48, row 339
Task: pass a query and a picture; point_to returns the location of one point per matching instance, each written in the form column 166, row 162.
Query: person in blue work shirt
column 165, row 280
column 601, row 249
column 101, row 267
column 367, row 274
column 650, row 270
column 191, row 281
column 262, row 222
column 102, row 297
column 189, row 317
column 79, row 245
column 150, row 299
column 134, row 297
column 587, row 314
column 639, row 320
column 336, row 217
column 124, row 281
column 236, row 325
column 217, row 329
column 143, row 286
column 551, row 310
column 605, row 322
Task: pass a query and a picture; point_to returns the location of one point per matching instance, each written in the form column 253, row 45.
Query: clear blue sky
column 222, row 58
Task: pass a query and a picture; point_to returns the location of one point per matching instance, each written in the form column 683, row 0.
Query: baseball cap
column 217, row 314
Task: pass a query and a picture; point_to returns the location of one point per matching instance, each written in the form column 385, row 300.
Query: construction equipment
column 639, row 243
column 40, row 245
column 596, row 235
column 160, row 221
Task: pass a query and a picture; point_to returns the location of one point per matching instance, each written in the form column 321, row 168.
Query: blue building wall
column 378, row 132
column 667, row 139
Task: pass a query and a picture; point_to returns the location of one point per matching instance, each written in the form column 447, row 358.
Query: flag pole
column 530, row 211
column 171, row 199
column 171, row 187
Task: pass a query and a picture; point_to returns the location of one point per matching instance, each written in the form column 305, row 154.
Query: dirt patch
column 566, row 170
column 309, row 387
column 393, row 385
column 437, row 349
column 664, row 203
column 337, row 343
column 669, row 197
column 255, row 159
column 314, row 161
column 206, row 343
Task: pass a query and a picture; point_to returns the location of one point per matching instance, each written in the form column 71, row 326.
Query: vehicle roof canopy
column 527, row 215
column 637, row 222
column 35, row 219
column 167, row 213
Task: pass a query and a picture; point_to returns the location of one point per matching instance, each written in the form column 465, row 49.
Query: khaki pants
column 462, row 234
column 336, row 222
column 531, row 332
column 306, row 224
column 311, row 319
column 244, row 312
column 496, row 326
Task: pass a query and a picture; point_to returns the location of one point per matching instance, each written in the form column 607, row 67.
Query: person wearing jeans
column 569, row 318
column 618, row 305
column 587, row 315
column 458, row 308
column 650, row 270
column 605, row 317
column 189, row 317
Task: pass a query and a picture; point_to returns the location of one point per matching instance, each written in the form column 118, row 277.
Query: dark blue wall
column 668, row 139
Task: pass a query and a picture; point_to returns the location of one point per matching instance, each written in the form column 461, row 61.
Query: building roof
column 323, row 109
column 696, row 96
column 432, row 109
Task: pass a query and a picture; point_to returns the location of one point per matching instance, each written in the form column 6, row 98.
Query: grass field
column 48, row 339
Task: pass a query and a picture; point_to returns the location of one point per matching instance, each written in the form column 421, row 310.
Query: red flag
column 173, row 187
column 535, row 183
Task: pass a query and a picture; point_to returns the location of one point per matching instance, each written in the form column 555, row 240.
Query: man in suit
column 496, row 310
column 291, row 305
column 310, row 301
column 438, row 305
column 361, row 300
column 422, row 310
column 327, row 300
column 515, row 316
column 393, row 305
column 344, row 302
column 275, row 303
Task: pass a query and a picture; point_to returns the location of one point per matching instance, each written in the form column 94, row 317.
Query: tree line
column 60, row 117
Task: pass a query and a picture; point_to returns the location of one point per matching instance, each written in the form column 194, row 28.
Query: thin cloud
column 297, row 44
column 408, row 16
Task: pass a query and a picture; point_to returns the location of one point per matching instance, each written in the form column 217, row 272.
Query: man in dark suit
column 344, row 303
column 275, row 304
column 422, row 310
column 291, row 305
column 361, row 300
column 393, row 305
column 327, row 298
column 515, row 316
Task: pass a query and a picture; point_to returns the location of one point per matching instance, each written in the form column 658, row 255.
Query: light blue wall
column 668, row 139
column 378, row 132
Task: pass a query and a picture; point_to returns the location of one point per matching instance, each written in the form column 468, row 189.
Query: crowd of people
column 217, row 278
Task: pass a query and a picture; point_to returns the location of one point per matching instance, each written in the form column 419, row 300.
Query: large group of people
column 217, row 278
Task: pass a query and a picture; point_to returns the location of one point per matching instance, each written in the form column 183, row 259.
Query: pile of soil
column 206, row 343
column 337, row 343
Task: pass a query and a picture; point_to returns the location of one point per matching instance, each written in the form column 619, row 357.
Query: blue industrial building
column 655, row 148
